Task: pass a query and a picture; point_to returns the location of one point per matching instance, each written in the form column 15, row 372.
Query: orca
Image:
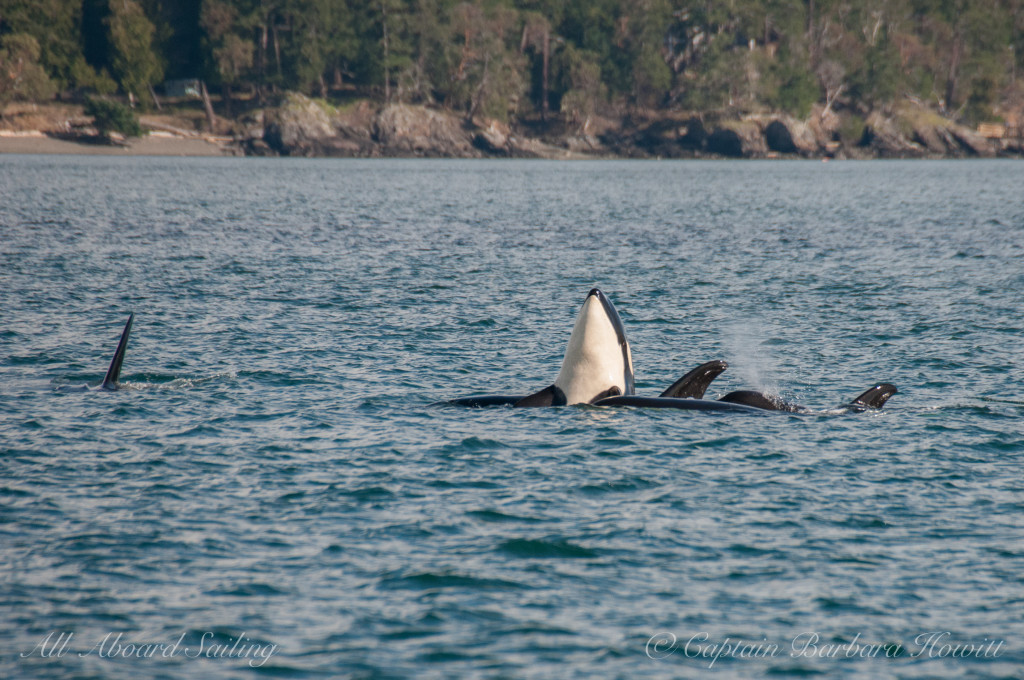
column 874, row 398
column 597, row 362
column 597, row 369
column 110, row 380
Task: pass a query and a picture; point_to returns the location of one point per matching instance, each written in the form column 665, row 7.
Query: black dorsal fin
column 114, row 372
column 695, row 383
column 549, row 396
column 612, row 391
column 876, row 396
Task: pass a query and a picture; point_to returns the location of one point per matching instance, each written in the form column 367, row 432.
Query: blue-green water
column 274, row 474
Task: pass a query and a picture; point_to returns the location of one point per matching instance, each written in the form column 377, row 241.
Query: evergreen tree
column 229, row 52
column 134, row 63
column 519, row 57
column 21, row 75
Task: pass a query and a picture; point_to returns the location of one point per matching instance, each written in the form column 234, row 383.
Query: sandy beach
column 153, row 144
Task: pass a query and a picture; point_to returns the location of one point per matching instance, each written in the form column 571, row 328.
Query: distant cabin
column 182, row 87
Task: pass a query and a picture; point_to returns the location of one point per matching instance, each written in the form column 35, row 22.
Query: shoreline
column 298, row 126
column 164, row 144
column 153, row 144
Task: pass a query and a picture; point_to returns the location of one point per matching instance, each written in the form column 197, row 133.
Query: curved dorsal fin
column 876, row 396
column 695, row 383
column 549, row 396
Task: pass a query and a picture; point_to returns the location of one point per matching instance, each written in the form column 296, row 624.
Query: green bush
column 797, row 91
column 111, row 116
column 851, row 129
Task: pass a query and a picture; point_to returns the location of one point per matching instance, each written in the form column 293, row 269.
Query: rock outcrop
column 401, row 129
column 884, row 138
column 912, row 131
column 301, row 126
column 786, row 135
column 297, row 127
column 971, row 142
column 737, row 139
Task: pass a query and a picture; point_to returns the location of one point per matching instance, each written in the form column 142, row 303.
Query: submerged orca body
column 597, row 369
column 872, row 398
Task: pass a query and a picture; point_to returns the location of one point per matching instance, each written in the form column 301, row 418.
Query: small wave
column 171, row 382
column 15, row 492
column 1015, row 402
column 30, row 359
column 623, row 485
column 445, row 579
column 472, row 444
column 496, row 516
column 535, row 548
column 369, row 493
column 202, row 429
column 249, row 590
column 138, row 382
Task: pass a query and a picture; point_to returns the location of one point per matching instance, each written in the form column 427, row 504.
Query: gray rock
column 971, row 142
column 296, row 126
column 419, row 131
column 492, row 140
column 790, row 136
column 738, row 139
column 932, row 138
column 882, row 136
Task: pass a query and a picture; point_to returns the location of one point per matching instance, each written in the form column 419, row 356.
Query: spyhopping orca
column 597, row 369
column 597, row 362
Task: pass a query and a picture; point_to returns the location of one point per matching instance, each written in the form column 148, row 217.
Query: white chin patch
column 593, row 361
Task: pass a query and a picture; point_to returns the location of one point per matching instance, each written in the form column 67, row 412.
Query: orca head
column 597, row 361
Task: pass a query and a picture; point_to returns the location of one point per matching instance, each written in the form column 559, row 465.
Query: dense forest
column 522, row 59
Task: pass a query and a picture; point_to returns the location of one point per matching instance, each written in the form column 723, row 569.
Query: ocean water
column 273, row 493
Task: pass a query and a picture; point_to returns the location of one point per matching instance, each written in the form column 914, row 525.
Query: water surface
column 274, row 472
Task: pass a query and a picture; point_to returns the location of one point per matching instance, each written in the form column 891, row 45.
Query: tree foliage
column 134, row 63
column 21, row 75
column 110, row 116
column 501, row 58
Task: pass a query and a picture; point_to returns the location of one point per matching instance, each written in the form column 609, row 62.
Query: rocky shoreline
column 304, row 127
column 300, row 126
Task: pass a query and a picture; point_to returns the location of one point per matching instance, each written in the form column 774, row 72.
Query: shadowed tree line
column 529, row 59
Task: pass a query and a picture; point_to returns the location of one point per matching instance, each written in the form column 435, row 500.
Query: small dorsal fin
column 114, row 372
column 549, row 396
column 876, row 396
column 612, row 391
column 695, row 383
